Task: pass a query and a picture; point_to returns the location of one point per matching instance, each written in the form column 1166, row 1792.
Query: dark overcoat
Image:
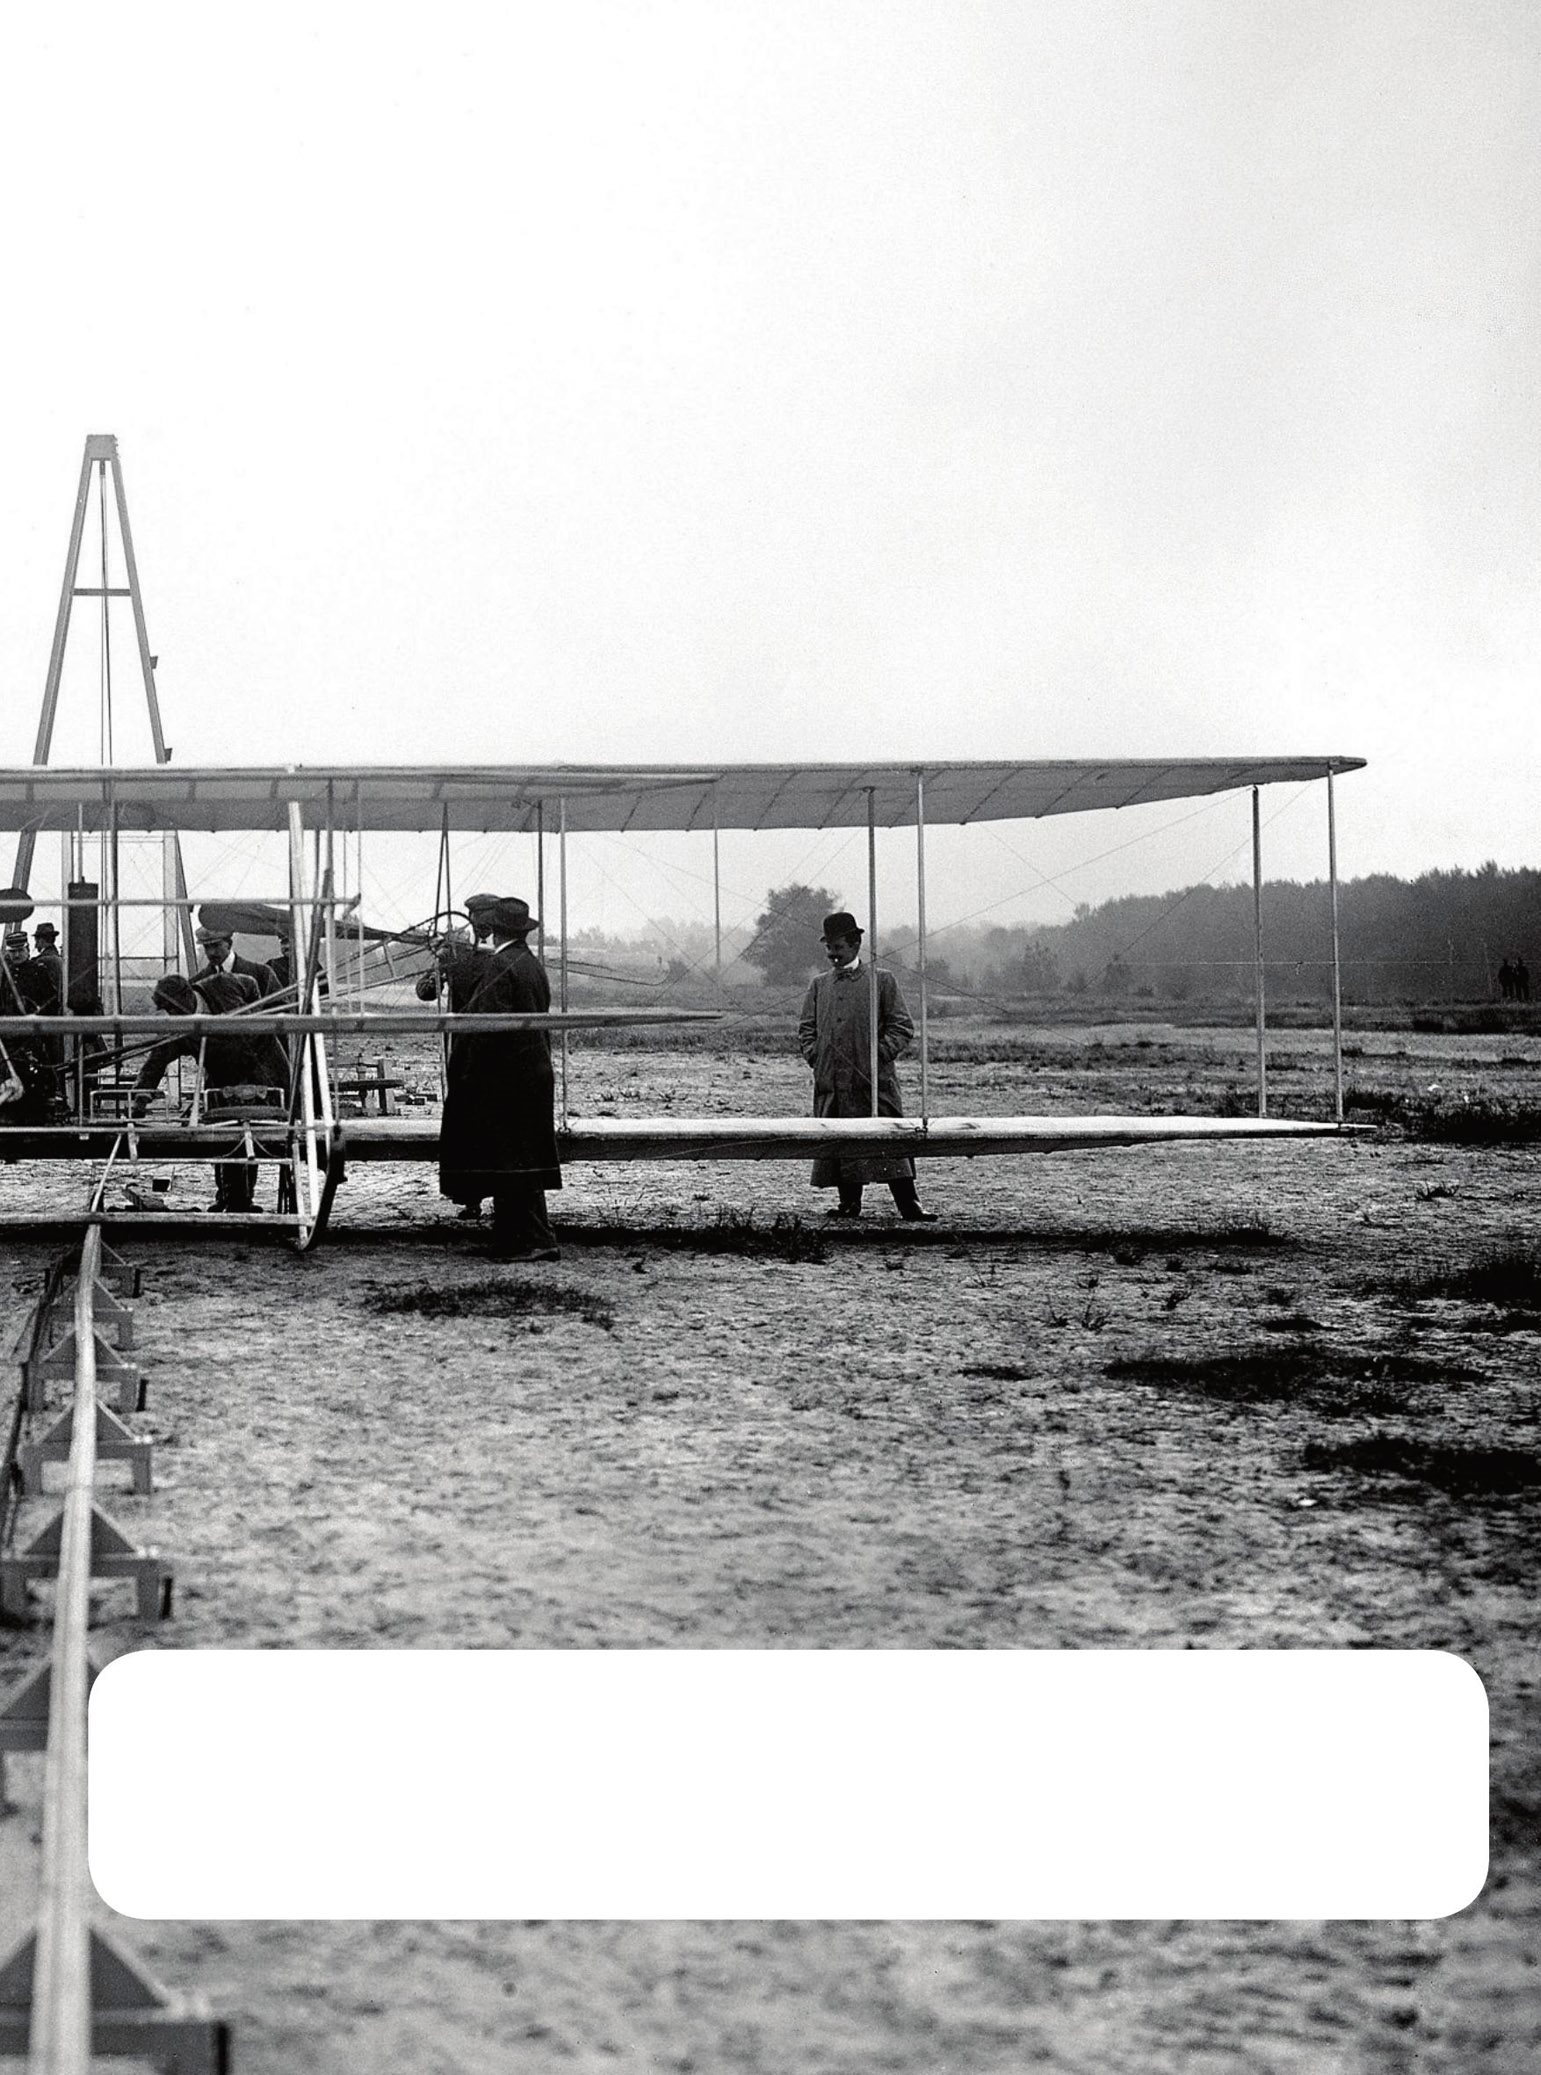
column 263, row 978
column 498, row 1126
column 834, row 1034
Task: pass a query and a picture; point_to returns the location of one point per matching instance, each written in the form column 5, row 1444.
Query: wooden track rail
column 69, row 1992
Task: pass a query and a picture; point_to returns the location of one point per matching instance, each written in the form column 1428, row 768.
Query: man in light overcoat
column 834, row 1033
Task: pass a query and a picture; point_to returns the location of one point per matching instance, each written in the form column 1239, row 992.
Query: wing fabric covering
column 518, row 798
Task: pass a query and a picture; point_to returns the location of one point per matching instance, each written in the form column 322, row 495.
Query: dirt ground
column 1227, row 1397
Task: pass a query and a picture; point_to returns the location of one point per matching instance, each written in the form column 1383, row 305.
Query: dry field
column 1274, row 1396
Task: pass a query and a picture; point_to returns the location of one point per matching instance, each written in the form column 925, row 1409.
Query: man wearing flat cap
column 498, row 1135
column 221, row 956
column 835, row 1035
column 244, row 1062
column 459, row 966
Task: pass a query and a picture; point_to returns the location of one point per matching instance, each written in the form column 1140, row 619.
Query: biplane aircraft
column 75, row 1102
column 336, row 958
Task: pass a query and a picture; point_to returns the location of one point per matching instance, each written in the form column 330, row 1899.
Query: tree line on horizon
column 1443, row 936
column 1440, row 937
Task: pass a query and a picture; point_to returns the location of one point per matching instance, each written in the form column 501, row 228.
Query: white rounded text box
column 798, row 1783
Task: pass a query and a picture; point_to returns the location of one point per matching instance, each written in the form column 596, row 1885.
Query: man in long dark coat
column 26, row 1075
column 835, row 1035
column 498, row 1135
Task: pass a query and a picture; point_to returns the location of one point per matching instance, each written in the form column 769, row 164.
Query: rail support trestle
column 113, row 1555
column 132, row 2015
column 114, row 1443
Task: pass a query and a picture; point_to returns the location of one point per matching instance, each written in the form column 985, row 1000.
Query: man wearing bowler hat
column 498, row 1135
column 41, row 983
column 50, row 966
column 835, row 1034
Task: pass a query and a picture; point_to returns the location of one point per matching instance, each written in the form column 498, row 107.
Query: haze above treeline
column 1442, row 936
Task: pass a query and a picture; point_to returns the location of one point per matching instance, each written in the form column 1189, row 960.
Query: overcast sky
column 923, row 378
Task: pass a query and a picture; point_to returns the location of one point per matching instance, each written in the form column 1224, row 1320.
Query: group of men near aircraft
column 497, row 1136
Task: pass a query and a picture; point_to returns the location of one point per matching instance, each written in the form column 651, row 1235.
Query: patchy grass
column 1506, row 1277
column 781, row 1238
column 1462, row 1471
column 1509, row 1276
column 520, row 1297
column 1000, row 1372
column 1338, row 1385
column 1479, row 1122
column 784, row 1238
column 1129, row 1244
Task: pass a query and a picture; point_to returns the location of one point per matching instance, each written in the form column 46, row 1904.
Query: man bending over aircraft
column 228, row 1063
column 834, row 1033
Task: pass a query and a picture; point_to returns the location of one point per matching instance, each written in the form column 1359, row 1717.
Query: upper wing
column 521, row 797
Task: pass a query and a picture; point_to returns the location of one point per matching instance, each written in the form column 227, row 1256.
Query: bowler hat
column 506, row 914
column 841, row 924
column 45, row 929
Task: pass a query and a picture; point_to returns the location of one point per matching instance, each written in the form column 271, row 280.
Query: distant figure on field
column 498, row 1135
column 222, row 957
column 229, row 1063
column 1521, row 980
column 834, row 1033
column 1506, row 980
column 459, row 969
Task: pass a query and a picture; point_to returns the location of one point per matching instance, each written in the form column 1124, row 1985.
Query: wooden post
column 716, row 890
column 562, row 872
column 115, row 912
column 540, row 879
column 872, row 945
column 1257, row 951
column 358, row 913
column 305, row 1050
column 920, row 890
column 330, row 918
column 444, row 873
column 1337, row 971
